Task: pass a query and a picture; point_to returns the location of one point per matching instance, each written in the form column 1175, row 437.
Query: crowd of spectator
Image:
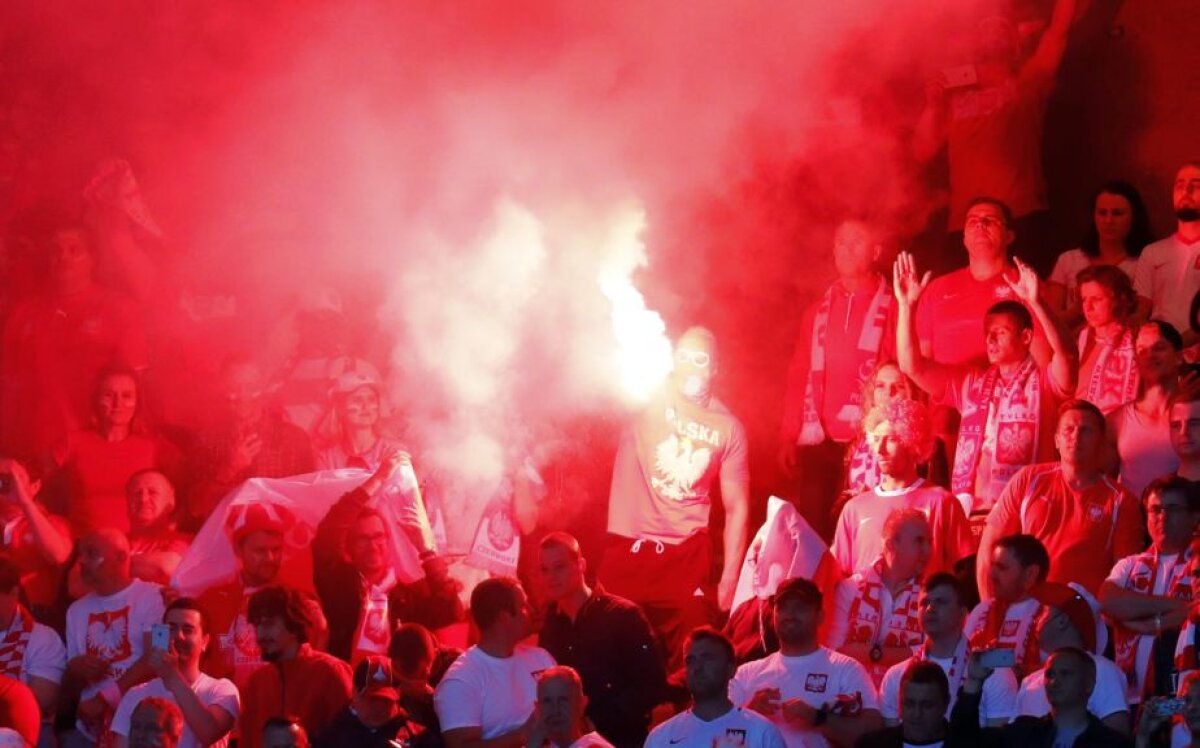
column 993, row 535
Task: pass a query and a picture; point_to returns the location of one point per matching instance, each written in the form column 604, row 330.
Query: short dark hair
column 283, row 603
column 1118, row 284
column 566, row 541
column 1140, row 231
column 190, row 603
column 410, row 645
column 927, row 673
column 1012, row 309
column 946, row 579
column 1189, row 490
column 1028, row 551
column 708, row 633
column 1084, row 406
column 491, row 597
column 1085, row 660
column 1168, row 332
column 1005, row 211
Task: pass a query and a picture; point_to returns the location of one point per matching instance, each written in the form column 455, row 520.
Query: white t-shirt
column 1169, row 567
column 1108, row 697
column 999, row 700
column 817, row 678
column 212, row 692
column 742, row 726
column 494, row 694
column 111, row 627
column 591, row 740
column 1071, row 262
column 1168, row 273
column 45, row 655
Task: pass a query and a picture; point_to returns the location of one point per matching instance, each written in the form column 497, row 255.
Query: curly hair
column 910, row 423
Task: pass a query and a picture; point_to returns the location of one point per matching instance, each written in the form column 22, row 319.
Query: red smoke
column 464, row 164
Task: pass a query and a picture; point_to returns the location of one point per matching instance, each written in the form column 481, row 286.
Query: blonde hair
column 910, row 423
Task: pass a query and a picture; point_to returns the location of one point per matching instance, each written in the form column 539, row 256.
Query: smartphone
column 994, row 658
column 1167, row 707
column 960, row 76
column 160, row 636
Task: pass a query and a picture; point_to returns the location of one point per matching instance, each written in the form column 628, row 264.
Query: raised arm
column 929, row 375
column 1053, row 44
column 1062, row 354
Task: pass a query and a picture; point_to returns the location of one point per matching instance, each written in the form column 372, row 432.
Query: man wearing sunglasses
column 672, row 458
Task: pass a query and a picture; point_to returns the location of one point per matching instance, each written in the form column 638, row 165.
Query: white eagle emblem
column 678, row 466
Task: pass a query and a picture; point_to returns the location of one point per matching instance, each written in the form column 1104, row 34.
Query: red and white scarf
column 998, row 631
column 867, row 352
column 373, row 632
column 12, row 646
column 1142, row 578
column 1017, row 405
column 902, row 627
column 1114, row 376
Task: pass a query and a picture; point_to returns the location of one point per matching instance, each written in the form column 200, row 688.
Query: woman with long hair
column 1140, row 429
column 351, row 432
column 1117, row 233
column 1108, row 370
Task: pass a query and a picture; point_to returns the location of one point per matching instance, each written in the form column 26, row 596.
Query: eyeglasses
column 699, row 359
column 986, row 222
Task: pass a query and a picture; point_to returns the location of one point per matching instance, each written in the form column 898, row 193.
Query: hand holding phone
column 997, row 658
column 160, row 637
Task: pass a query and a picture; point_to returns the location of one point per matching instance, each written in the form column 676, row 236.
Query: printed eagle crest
column 680, row 467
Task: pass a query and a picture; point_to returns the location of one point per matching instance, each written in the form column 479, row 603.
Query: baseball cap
column 799, row 588
column 252, row 517
column 1074, row 606
column 373, row 677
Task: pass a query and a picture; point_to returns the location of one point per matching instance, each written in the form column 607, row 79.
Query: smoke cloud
column 478, row 169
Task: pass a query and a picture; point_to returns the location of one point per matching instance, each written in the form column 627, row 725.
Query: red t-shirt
column 950, row 315
column 667, row 463
column 1085, row 532
column 97, row 471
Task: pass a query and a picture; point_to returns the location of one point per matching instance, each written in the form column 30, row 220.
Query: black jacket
column 347, row 730
column 340, row 586
column 1025, row 732
column 888, row 737
column 611, row 646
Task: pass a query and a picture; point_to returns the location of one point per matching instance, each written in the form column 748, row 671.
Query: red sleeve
column 924, row 321
column 797, row 380
column 959, row 542
column 19, row 709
